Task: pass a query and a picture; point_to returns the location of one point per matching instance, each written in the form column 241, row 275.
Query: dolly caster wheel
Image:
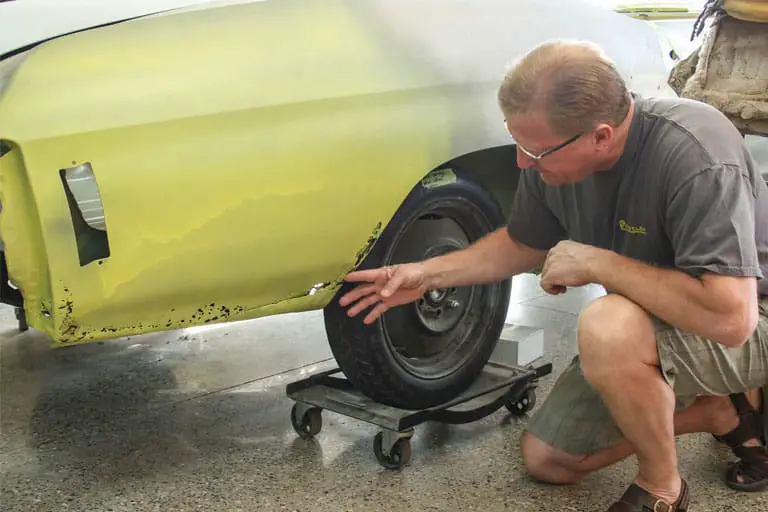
column 21, row 317
column 522, row 406
column 397, row 455
column 307, row 421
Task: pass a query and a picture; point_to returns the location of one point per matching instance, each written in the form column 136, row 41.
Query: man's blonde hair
column 572, row 83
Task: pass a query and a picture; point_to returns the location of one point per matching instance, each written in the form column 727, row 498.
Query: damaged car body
column 237, row 160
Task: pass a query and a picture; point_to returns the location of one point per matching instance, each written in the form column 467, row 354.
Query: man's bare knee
column 549, row 464
column 614, row 333
column 615, row 321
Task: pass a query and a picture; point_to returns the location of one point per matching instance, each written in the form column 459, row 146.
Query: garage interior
column 198, row 418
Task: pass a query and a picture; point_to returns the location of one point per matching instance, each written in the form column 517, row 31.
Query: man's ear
column 602, row 136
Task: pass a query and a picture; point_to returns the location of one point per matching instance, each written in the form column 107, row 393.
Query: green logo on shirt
column 635, row 230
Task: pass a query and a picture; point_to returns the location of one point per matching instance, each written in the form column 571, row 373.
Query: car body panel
column 23, row 25
column 245, row 154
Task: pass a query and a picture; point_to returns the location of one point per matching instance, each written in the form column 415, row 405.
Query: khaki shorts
column 574, row 419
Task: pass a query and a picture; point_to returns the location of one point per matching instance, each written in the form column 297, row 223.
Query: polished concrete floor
column 198, row 420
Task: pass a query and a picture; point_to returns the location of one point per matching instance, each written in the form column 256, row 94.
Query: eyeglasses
column 548, row 151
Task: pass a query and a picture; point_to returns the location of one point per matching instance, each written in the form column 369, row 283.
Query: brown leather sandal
column 750, row 472
column 637, row 499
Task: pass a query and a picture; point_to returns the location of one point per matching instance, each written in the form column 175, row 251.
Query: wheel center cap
column 436, row 297
column 440, row 310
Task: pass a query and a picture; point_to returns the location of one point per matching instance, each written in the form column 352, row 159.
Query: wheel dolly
column 498, row 385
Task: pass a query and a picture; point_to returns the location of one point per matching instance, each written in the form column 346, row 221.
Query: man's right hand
column 385, row 287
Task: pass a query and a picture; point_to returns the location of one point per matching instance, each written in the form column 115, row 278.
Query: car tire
column 426, row 353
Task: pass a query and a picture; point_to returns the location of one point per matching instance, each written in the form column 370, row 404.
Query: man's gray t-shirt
column 685, row 194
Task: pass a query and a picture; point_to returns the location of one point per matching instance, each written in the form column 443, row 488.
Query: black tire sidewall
column 363, row 352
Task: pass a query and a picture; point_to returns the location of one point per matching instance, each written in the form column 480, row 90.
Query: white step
column 519, row 345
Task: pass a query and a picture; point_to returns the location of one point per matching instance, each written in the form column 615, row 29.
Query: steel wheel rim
column 427, row 347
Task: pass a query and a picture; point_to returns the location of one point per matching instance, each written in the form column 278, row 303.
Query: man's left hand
column 569, row 264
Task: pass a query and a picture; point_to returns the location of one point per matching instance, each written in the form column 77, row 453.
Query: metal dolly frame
column 498, row 385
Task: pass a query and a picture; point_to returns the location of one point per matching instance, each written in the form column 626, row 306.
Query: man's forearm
column 674, row 296
column 492, row 258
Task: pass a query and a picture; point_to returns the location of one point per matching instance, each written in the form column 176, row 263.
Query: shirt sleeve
column 531, row 222
column 710, row 220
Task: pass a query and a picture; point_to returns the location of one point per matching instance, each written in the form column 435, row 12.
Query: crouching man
column 659, row 201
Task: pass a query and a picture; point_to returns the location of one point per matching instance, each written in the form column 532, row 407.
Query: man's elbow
column 740, row 325
column 735, row 307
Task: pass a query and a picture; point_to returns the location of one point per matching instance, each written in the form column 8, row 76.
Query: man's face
column 558, row 160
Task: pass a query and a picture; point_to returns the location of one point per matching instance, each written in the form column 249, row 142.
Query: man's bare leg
column 710, row 414
column 617, row 347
